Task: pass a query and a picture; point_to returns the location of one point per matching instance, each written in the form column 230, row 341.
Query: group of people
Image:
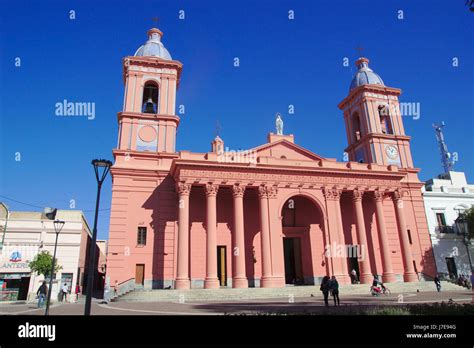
column 463, row 281
column 330, row 285
column 42, row 292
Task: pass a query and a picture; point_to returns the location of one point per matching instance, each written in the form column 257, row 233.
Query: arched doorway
column 303, row 241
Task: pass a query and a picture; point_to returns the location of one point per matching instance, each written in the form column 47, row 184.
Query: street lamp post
column 4, row 207
column 58, row 226
column 461, row 223
column 101, row 169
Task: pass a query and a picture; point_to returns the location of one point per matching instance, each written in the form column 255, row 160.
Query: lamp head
column 58, row 225
column 101, row 163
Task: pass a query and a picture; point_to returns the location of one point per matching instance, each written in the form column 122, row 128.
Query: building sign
column 14, row 265
column 16, row 258
column 4, row 276
column 14, row 262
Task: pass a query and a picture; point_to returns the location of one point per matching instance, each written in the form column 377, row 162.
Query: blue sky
column 282, row 62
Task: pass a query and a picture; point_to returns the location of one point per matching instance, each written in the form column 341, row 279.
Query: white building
column 445, row 197
column 29, row 233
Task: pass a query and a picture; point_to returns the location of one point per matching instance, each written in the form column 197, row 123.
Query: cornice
column 148, row 117
column 154, row 62
column 369, row 136
column 146, row 154
column 246, row 173
column 368, row 88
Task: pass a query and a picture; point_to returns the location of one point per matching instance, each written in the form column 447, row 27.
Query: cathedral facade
column 273, row 215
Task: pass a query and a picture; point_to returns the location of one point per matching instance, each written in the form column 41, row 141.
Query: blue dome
column 365, row 75
column 153, row 47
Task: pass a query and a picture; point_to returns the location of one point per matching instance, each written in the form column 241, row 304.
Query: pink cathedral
column 273, row 215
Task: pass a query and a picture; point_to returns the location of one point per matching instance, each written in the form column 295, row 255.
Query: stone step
column 197, row 295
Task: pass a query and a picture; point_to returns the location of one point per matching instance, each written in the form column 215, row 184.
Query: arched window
column 385, row 122
column 356, row 130
column 150, row 98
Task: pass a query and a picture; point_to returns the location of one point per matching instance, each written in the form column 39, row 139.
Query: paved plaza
column 282, row 305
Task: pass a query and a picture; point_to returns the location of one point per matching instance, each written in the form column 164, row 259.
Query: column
column 336, row 235
column 387, row 276
column 363, row 252
column 211, row 281
column 182, row 277
column 344, row 277
column 409, row 274
column 239, row 278
column 276, row 239
column 265, row 237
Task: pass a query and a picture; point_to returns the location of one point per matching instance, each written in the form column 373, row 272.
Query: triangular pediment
column 283, row 149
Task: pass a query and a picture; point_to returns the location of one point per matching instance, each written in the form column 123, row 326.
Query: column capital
column 357, row 194
column 183, row 189
column 272, row 191
column 238, row 190
column 267, row 191
column 262, row 191
column 211, row 189
column 397, row 195
column 378, row 195
column 332, row 193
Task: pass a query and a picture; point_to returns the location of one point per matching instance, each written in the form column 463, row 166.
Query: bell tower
column 374, row 125
column 148, row 122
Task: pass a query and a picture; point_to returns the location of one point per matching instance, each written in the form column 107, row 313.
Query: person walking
column 64, row 291
column 437, row 283
column 77, row 292
column 325, row 289
column 334, row 288
column 41, row 293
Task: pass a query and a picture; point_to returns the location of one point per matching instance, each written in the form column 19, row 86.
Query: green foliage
column 42, row 263
column 469, row 215
column 389, row 311
column 443, row 308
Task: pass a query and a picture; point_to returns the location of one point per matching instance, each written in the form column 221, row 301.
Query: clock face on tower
column 391, row 152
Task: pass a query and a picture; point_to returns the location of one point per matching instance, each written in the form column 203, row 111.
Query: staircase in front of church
column 223, row 294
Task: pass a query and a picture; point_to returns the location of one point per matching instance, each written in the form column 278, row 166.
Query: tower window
column 385, row 122
column 141, row 236
column 150, row 98
column 356, row 129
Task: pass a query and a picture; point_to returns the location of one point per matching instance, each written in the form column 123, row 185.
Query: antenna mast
column 446, row 160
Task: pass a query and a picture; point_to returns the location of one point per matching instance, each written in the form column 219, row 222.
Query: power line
column 40, row 207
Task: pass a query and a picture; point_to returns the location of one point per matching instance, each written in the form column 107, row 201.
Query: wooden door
column 139, row 274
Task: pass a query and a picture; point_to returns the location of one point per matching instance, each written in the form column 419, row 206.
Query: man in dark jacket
column 334, row 288
column 41, row 293
column 325, row 289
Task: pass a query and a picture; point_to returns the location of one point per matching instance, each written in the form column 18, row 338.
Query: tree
column 42, row 263
column 469, row 216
